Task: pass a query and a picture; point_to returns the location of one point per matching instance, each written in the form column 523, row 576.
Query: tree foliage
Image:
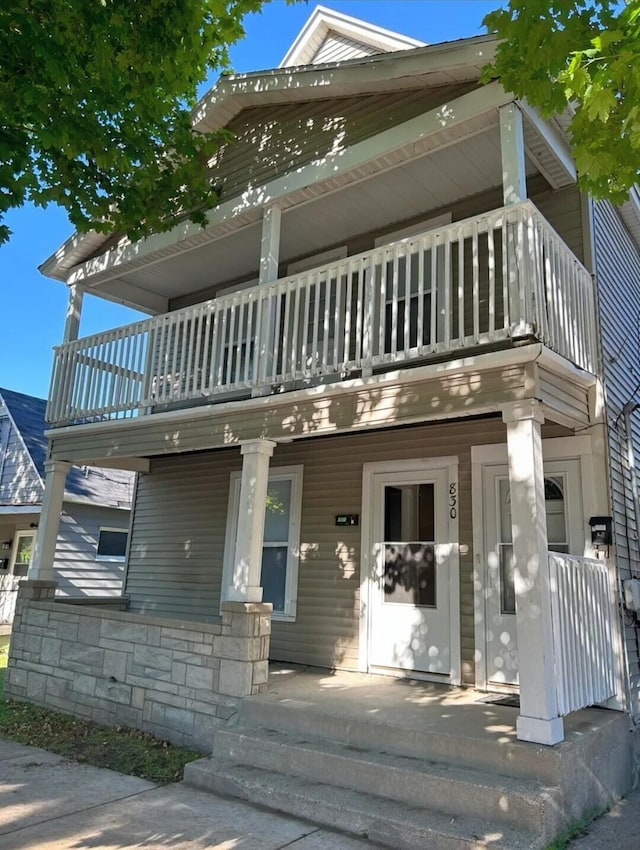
column 95, row 107
column 582, row 55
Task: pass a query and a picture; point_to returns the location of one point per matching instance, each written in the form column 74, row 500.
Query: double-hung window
column 281, row 546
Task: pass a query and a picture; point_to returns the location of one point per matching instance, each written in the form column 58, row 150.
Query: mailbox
column 601, row 534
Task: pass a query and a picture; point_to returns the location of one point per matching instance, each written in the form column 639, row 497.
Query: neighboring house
column 382, row 391
column 94, row 523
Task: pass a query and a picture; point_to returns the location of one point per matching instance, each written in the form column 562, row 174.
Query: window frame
column 115, row 559
column 24, row 532
column 278, row 473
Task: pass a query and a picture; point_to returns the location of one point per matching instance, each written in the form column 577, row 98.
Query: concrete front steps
column 399, row 783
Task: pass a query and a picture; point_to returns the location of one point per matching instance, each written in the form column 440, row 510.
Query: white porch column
column 514, row 175
column 74, row 311
column 269, row 260
column 251, row 513
column 539, row 720
column 41, row 568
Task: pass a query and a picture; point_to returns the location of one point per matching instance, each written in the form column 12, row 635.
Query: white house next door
column 413, row 569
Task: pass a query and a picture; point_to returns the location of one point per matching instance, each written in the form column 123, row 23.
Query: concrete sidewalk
column 50, row 803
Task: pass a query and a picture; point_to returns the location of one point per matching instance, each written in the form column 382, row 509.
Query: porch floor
column 416, row 706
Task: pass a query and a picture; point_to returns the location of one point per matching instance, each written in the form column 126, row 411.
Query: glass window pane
column 276, row 523
column 410, row 574
column 112, row 544
column 409, row 513
column 505, row 510
column 274, row 575
column 507, row 588
column 24, row 553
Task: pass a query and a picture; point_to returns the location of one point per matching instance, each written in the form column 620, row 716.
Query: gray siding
column 76, row 569
column 618, row 276
column 338, row 48
column 272, row 141
column 177, row 545
column 20, row 483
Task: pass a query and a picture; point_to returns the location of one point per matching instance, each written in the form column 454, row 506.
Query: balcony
column 489, row 281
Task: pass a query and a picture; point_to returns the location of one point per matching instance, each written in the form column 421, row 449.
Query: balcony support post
column 269, row 261
column 514, row 175
column 539, row 720
column 41, row 568
column 74, row 312
column 247, row 559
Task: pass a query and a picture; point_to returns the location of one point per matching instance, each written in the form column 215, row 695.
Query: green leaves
column 95, row 107
column 581, row 56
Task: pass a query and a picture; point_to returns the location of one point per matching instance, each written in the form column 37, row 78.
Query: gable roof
column 329, row 35
column 107, row 487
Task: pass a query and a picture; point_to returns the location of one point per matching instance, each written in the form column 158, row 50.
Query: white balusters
column 583, row 631
column 479, row 281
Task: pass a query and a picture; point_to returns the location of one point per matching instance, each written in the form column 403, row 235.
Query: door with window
column 565, row 534
column 410, row 594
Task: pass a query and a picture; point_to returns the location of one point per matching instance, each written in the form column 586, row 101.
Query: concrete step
column 389, row 823
column 436, row 786
column 498, row 753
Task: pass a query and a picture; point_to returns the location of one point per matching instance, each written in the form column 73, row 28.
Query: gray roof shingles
column 109, row 487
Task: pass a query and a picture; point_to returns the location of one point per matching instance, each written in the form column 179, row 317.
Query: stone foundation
column 175, row 679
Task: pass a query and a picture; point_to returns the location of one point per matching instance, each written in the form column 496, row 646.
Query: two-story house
column 381, row 412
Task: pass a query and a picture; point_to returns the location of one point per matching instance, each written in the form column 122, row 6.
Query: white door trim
column 369, row 470
column 557, row 448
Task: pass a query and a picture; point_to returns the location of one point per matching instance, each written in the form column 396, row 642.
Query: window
column 281, row 547
column 22, row 552
column 557, row 540
column 112, row 544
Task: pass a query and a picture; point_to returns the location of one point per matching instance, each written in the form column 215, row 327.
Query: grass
column 124, row 750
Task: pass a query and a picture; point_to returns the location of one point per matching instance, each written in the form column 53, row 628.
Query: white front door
column 565, row 534
column 412, row 554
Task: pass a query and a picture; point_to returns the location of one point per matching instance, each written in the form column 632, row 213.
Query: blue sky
column 33, row 307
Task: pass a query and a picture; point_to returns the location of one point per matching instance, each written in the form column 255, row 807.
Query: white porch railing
column 583, row 631
column 504, row 274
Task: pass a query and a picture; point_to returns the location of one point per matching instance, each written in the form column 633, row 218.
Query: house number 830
column 453, row 500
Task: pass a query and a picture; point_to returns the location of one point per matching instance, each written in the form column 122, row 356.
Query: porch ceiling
column 346, row 209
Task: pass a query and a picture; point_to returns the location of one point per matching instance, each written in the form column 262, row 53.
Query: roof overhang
column 427, row 132
column 431, row 65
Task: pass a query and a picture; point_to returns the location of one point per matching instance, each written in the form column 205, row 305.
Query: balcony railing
column 583, row 631
column 501, row 276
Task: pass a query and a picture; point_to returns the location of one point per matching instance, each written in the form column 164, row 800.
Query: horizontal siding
column 76, row 569
column 368, row 407
column 563, row 210
column 569, row 399
column 177, row 546
column 272, row 141
column 20, row 483
column 177, row 540
column 338, row 48
column 618, row 278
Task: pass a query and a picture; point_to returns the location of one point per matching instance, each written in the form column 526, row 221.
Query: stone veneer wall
column 175, row 679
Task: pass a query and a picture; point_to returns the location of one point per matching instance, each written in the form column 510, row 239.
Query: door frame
column 554, row 449
column 367, row 557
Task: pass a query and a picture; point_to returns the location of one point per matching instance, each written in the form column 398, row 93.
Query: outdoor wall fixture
column 601, row 534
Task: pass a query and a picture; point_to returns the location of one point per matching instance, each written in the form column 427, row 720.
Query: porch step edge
column 388, row 823
column 440, row 787
column 512, row 759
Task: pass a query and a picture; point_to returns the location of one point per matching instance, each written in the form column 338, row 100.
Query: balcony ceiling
column 394, row 194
